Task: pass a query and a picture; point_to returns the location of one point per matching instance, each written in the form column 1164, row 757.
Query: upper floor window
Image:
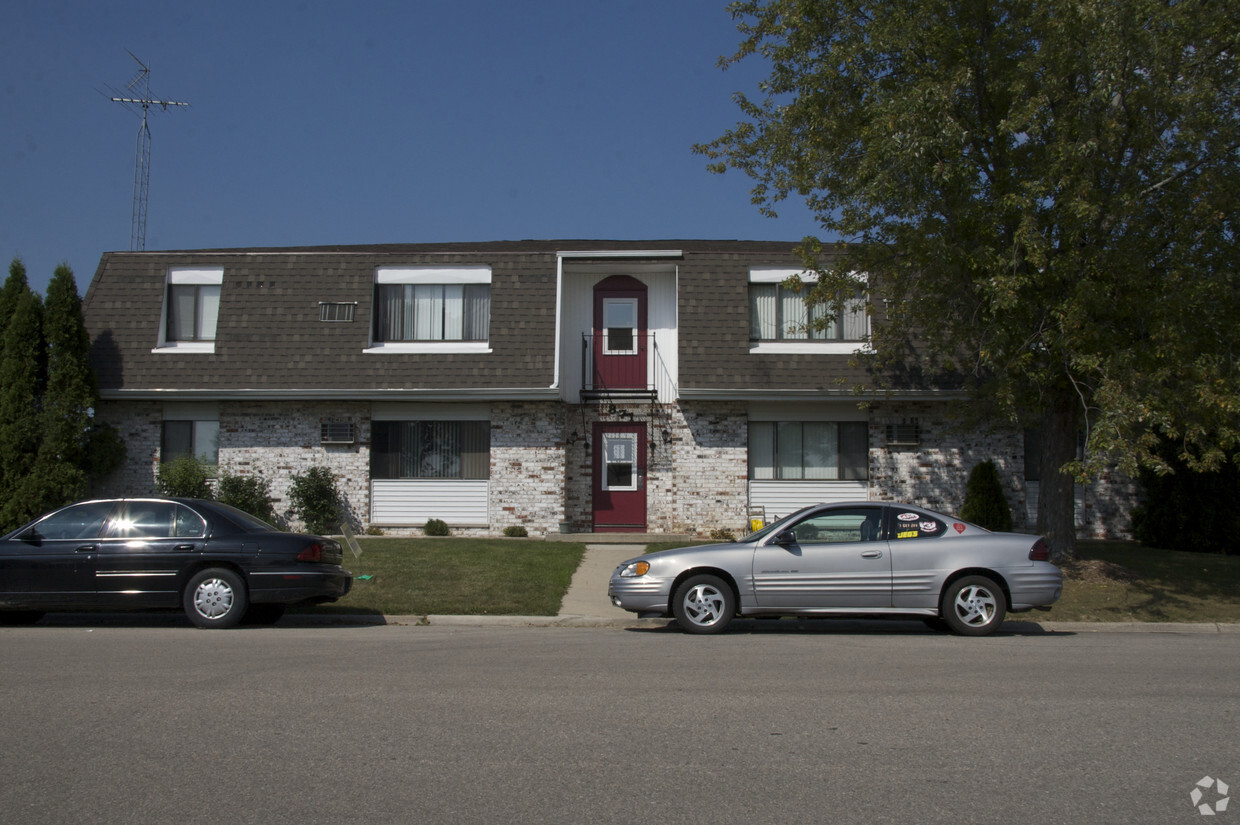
column 191, row 309
column 778, row 313
column 432, row 304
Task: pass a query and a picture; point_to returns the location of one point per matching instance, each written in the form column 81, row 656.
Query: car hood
column 696, row 550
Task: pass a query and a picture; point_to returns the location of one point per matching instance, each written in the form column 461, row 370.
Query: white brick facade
column 541, row 462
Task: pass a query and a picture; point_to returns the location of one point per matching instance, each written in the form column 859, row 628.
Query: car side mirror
column 786, row 537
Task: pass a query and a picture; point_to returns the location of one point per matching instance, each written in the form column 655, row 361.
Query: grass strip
column 458, row 576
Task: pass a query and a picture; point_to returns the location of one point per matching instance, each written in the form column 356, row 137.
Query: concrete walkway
column 587, row 595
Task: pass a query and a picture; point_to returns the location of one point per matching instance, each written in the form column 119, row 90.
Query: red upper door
column 619, row 345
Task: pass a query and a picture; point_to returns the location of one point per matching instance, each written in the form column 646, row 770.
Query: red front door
column 619, row 477
column 620, row 334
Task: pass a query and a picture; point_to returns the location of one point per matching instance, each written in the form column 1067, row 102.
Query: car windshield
column 773, row 527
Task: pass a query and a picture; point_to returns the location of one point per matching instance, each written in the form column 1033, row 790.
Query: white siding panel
column 783, row 497
column 413, row 501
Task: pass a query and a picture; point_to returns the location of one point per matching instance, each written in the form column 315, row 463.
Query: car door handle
column 872, row 554
column 86, row 548
column 184, row 547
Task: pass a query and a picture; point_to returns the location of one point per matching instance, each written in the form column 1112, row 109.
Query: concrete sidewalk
column 587, row 595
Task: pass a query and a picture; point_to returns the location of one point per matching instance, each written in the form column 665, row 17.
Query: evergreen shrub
column 984, row 502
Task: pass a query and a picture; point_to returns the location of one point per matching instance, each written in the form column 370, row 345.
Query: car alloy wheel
column 973, row 606
column 704, row 604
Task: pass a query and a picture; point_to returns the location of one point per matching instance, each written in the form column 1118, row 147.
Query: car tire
column 215, row 599
column 973, row 606
column 263, row 614
column 704, row 604
column 11, row 618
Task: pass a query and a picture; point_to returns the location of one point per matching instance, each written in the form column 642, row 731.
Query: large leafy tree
column 1044, row 195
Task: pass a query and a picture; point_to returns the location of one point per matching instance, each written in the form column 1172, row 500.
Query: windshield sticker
column 959, row 527
column 907, row 534
column 930, row 527
column 908, row 517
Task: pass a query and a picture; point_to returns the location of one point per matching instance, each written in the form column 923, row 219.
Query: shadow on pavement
column 850, row 626
column 176, row 619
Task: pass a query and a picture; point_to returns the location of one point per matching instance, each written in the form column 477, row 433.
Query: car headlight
column 635, row 568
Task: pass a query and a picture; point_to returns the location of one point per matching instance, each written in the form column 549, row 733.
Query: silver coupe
column 852, row 558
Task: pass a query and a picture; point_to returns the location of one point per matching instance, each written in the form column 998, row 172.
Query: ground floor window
column 200, row 439
column 430, row 449
column 808, row 450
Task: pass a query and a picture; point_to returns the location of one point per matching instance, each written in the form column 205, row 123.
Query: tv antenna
column 137, row 98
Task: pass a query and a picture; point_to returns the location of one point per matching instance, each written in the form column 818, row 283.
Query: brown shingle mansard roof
column 270, row 343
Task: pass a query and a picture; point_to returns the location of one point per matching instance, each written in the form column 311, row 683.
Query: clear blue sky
column 369, row 122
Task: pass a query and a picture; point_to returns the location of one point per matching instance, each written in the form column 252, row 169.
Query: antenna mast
column 137, row 95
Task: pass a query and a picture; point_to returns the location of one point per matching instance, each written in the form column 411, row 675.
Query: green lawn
column 1126, row 582
column 462, row 576
column 1114, row 581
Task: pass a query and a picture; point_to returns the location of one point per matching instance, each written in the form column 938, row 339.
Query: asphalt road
column 159, row 723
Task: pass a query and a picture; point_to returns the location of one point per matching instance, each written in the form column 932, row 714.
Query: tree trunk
column 1057, row 490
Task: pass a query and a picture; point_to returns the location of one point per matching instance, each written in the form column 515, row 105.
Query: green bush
column 184, row 476
column 435, row 527
column 516, row 532
column 316, row 501
column 249, row 493
column 984, row 502
column 722, row 535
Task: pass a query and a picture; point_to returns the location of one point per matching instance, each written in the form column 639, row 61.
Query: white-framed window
column 619, row 461
column 190, row 428
column 808, row 450
column 619, row 326
column 430, row 449
column 435, row 309
column 779, row 316
column 191, row 310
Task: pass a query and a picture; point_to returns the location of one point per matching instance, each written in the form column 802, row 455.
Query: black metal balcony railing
column 637, row 374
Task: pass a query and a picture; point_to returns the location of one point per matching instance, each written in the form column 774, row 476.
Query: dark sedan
column 220, row 565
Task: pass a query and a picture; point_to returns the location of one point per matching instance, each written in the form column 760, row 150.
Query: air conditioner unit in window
column 338, row 432
column 903, row 435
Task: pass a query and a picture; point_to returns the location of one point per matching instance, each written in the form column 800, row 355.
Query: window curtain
column 855, row 321
column 395, row 300
column 762, row 322
column 761, row 450
column 428, row 312
column 430, row 449
column 788, row 449
column 821, row 450
column 477, row 325
column 794, row 315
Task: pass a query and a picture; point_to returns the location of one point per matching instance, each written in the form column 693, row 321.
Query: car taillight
column 315, row 553
column 1041, row 551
